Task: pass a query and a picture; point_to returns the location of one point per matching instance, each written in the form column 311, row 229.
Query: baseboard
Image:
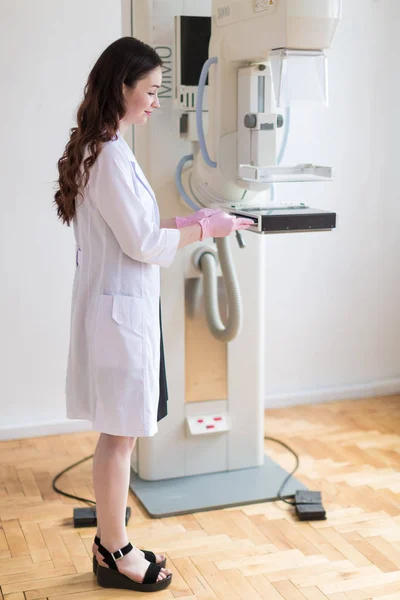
column 387, row 387
column 32, row 430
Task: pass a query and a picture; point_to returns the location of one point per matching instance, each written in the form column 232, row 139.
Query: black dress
column 163, row 399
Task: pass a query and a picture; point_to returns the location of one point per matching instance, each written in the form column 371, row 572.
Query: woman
column 113, row 377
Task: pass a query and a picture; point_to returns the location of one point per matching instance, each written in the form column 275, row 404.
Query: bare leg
column 111, row 471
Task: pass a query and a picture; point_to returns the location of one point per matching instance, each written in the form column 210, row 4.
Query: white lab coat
column 114, row 353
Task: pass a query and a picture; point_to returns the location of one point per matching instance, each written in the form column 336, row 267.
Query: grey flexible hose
column 210, row 285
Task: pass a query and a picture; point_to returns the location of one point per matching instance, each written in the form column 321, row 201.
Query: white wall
column 333, row 318
column 332, row 299
column 47, row 49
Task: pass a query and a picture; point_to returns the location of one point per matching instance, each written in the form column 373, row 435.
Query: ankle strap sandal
column 148, row 554
column 112, row 578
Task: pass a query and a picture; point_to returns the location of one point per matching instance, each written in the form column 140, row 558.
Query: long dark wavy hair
column 125, row 61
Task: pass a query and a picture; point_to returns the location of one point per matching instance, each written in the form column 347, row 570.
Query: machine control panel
column 207, row 424
column 265, row 5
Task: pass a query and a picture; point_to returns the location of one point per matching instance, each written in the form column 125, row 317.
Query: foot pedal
column 86, row 517
column 309, row 506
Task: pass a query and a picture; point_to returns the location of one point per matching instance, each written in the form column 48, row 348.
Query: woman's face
column 142, row 99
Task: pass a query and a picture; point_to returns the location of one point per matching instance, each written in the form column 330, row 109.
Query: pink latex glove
column 220, row 224
column 194, row 217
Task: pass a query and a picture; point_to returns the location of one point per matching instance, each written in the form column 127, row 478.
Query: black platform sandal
column 148, row 554
column 112, row 578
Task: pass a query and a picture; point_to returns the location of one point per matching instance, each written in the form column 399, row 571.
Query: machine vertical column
column 246, row 360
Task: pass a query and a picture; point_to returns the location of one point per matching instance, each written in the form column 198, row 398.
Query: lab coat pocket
column 128, row 311
column 119, row 332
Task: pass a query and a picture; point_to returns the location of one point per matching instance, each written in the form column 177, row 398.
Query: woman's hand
column 220, row 224
column 194, row 217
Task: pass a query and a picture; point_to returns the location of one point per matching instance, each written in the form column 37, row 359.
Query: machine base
column 182, row 495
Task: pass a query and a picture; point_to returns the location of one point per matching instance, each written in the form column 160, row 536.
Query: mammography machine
column 215, row 144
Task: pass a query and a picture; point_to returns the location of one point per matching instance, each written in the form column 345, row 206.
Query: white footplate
column 206, row 424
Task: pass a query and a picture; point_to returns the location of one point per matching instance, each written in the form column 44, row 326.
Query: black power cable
column 290, row 474
column 57, row 477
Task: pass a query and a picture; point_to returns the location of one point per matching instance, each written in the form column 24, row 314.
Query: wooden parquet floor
column 348, row 450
